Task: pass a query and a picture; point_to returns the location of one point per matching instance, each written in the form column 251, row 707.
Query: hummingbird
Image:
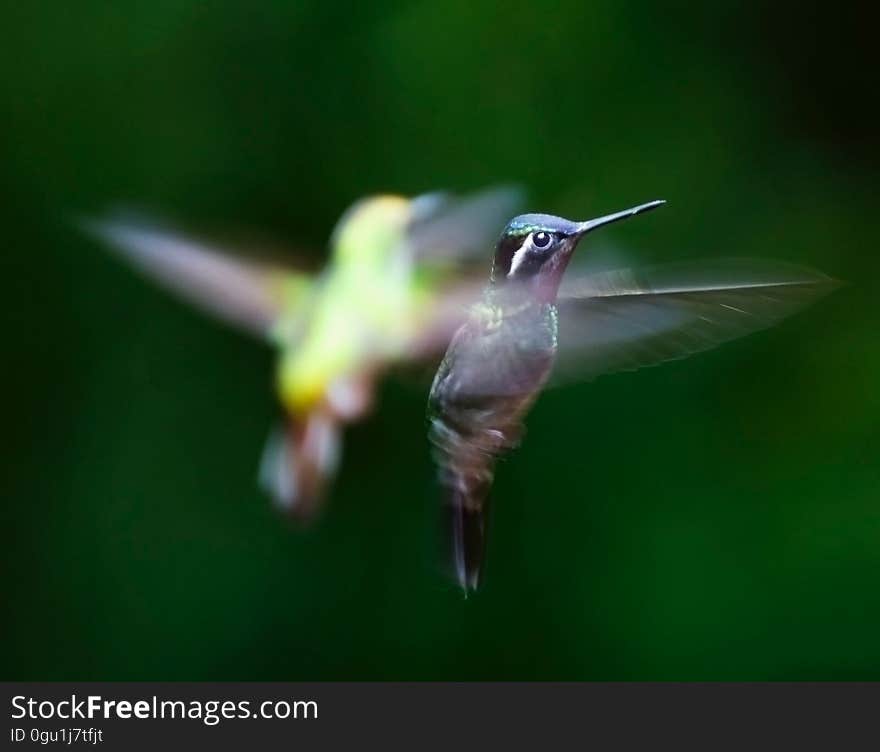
column 394, row 290
column 531, row 316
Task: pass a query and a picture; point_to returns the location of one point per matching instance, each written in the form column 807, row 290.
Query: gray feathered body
column 495, row 367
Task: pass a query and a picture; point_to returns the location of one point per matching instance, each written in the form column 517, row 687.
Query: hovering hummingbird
column 393, row 292
column 502, row 356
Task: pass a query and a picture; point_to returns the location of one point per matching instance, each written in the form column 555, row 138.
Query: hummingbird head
column 370, row 230
column 534, row 249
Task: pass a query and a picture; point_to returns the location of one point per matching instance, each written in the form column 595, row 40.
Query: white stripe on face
column 520, row 255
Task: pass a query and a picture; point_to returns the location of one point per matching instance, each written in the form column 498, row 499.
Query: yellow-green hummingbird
column 531, row 322
column 394, row 290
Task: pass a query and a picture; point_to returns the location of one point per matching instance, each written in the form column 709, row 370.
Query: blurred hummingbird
column 502, row 356
column 395, row 289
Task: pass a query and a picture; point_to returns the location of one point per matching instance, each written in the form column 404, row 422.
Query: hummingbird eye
column 542, row 239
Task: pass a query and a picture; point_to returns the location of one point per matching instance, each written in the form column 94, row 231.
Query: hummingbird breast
column 494, row 369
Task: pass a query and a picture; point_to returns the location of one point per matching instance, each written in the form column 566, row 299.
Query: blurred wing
column 246, row 294
column 446, row 229
column 449, row 233
column 448, row 313
column 627, row 319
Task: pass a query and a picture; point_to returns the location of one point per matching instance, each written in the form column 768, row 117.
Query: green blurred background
column 715, row 518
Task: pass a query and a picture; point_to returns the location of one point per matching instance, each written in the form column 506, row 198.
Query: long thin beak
column 592, row 224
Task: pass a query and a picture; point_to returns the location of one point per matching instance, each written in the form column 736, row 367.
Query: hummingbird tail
column 466, row 513
column 299, row 459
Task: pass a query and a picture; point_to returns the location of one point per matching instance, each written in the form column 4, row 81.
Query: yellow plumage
column 387, row 295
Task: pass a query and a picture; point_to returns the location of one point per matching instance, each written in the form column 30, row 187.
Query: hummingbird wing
column 250, row 295
column 627, row 319
column 448, row 229
column 452, row 233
